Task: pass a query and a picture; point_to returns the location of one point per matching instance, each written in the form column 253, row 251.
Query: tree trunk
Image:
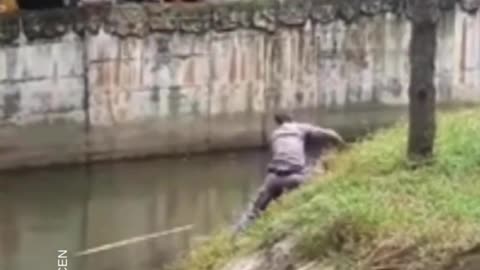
column 422, row 94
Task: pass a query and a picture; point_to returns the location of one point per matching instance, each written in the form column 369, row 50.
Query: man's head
column 281, row 118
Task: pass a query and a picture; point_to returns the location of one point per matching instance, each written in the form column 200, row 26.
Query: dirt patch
column 467, row 261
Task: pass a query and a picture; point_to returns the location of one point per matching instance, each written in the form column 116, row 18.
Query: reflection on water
column 77, row 208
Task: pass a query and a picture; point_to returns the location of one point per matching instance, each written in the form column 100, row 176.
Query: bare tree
column 422, row 96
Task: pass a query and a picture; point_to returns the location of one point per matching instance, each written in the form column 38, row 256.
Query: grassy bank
column 374, row 209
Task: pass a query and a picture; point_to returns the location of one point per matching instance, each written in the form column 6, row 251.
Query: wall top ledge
column 138, row 20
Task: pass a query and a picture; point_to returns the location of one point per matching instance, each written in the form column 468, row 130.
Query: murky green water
column 76, row 208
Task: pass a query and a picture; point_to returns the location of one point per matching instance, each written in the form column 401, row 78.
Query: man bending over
column 287, row 168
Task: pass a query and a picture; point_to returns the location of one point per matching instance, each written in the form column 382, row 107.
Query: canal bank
column 129, row 81
column 373, row 210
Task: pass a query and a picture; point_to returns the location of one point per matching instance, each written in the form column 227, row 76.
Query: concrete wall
column 138, row 80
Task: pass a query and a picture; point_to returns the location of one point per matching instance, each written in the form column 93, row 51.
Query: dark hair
column 281, row 118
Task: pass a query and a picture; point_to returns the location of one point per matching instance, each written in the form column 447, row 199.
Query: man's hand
column 339, row 141
column 342, row 143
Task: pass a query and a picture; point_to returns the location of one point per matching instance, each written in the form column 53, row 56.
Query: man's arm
column 317, row 132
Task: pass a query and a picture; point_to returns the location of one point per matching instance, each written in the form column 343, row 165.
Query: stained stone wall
column 101, row 83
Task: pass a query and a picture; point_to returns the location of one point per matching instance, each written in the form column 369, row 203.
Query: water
column 76, row 208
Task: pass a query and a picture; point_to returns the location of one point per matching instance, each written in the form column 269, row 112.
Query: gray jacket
column 288, row 144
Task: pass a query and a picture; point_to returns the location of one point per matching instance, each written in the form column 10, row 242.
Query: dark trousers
column 276, row 183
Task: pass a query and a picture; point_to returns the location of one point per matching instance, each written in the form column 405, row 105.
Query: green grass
column 372, row 203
